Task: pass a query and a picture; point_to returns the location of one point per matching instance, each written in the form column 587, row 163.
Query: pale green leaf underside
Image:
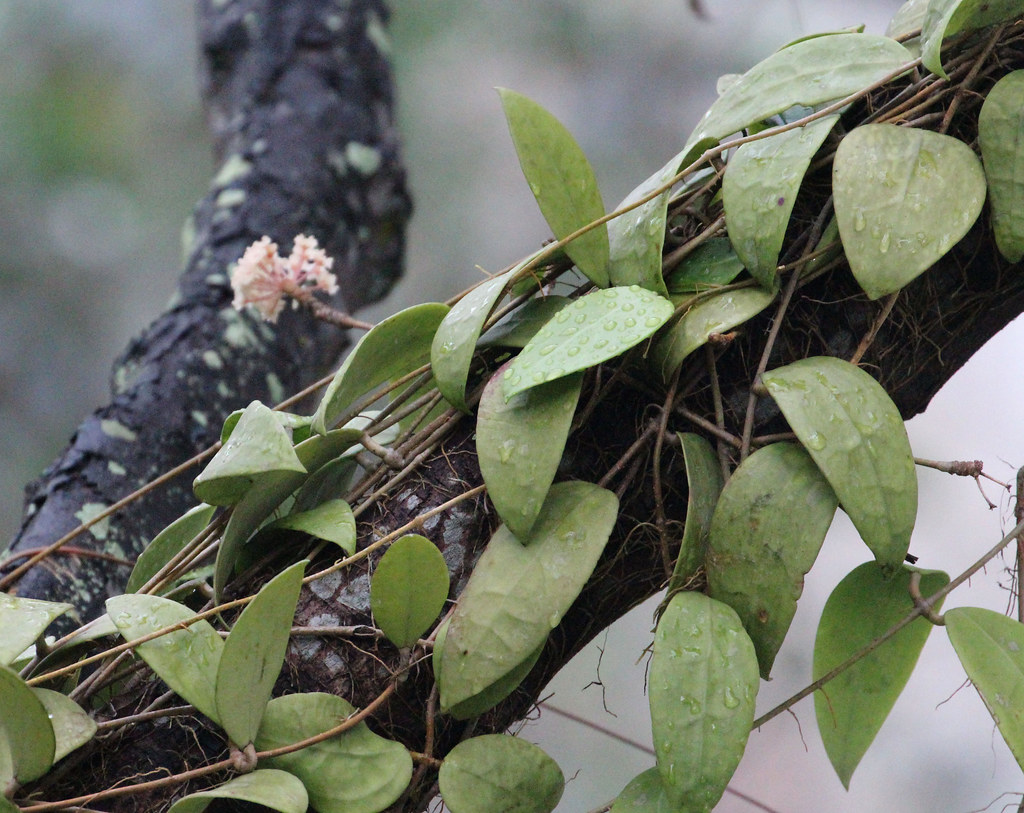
column 166, row 544
column 903, row 198
column 758, row 554
column 907, row 19
column 26, row 728
column 562, row 181
column 704, row 484
column 1001, row 135
column 408, row 589
column 278, row 790
column 702, row 688
column 519, row 445
column 593, row 329
column 72, row 727
column 498, row 772
column 22, row 621
column 851, row 708
column 519, row 592
column 855, row 434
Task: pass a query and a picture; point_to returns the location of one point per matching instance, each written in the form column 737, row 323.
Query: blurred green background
column 103, row 151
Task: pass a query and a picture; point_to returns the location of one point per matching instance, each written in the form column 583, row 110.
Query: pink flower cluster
column 262, row 278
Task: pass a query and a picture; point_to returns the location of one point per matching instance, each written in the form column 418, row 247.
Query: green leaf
column 944, row 18
column 561, row 180
column 718, row 313
column 766, row 533
column 990, row 647
column 253, row 654
column 592, row 329
column 26, row 726
column 1001, row 135
column 759, row 189
column 393, row 348
column 907, row 19
column 258, row 448
column 645, row 793
column 704, row 484
column 408, row 589
column 293, row 424
column 72, row 727
column 855, row 434
column 22, row 621
column 498, row 773
column 375, row 770
column 903, row 198
column 493, row 694
column 278, row 790
column 519, row 592
column 166, row 544
column 711, row 264
column 186, row 659
column 519, row 444
column 516, row 329
column 852, row 707
column 702, row 688
column 331, row 521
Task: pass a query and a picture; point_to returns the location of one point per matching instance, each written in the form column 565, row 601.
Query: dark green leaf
column 22, row 621
column 852, row 707
column 702, row 688
column 497, row 773
column 278, row 790
column 561, row 180
column 1001, row 135
column 704, row 484
column 331, row 520
column 766, row 533
column 516, row 329
column 711, row 264
column 408, row 589
column 855, row 434
column 903, row 198
column 26, row 727
column 167, row 544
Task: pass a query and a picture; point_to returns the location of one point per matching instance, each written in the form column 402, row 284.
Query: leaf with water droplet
column 259, row 447
column 185, row 659
column 22, row 621
column 852, row 707
column 1001, row 135
column 376, row 771
column 645, row 793
column 498, row 772
column 166, row 544
column 394, row 347
column 598, row 326
column 408, row 589
column 519, row 592
column 759, row 189
column 516, row 329
column 718, row 313
column 519, row 445
column 944, row 18
column 562, row 181
column 856, row 436
column 254, row 653
column 704, row 484
column 26, row 728
column 72, row 727
column 990, row 647
column 268, row 787
column 702, row 688
column 711, row 264
column 903, row 198
column 768, row 527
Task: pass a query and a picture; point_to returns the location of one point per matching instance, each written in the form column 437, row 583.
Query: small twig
column 676, row 256
column 719, row 407
column 628, row 455
column 965, row 84
column 659, row 503
column 876, row 325
column 921, row 603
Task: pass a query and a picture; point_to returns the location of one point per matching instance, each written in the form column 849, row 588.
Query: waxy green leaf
column 331, row 520
column 185, row 659
column 259, row 448
column 278, row 790
column 990, row 647
column 353, row 772
column 561, row 180
column 718, row 313
column 645, row 793
column 908, row 18
column 702, row 688
column 704, row 484
column 393, row 348
column 498, row 773
column 520, row 590
column 759, row 189
column 592, row 329
column 72, row 727
column 166, row 544
column 944, row 18
column 903, row 198
column 711, row 264
column 758, row 554
column 253, row 655
column 519, row 445
column 855, row 434
column 852, row 707
column 408, row 589
column 1001, row 135
column 516, row 329
column 26, row 727
column 22, row 621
